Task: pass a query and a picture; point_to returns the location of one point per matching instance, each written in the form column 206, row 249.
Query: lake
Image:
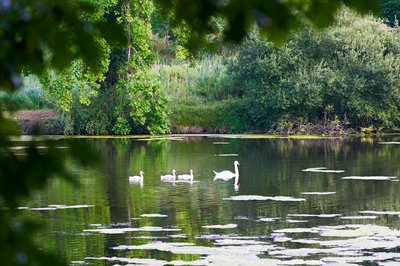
column 300, row 201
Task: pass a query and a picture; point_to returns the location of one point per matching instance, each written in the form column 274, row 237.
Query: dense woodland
column 338, row 80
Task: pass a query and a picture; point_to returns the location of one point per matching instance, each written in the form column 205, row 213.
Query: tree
column 140, row 98
column 34, row 36
column 275, row 18
column 127, row 95
column 348, row 72
column 391, row 10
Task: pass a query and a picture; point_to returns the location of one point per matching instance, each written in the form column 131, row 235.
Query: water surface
column 300, row 201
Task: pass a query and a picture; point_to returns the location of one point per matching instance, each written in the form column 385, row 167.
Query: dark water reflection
column 268, row 167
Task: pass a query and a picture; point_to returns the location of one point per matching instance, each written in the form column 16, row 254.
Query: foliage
column 40, row 34
column 25, row 99
column 78, row 83
column 275, row 18
column 121, row 94
column 160, row 21
column 121, row 126
column 31, row 96
column 140, row 99
column 390, row 10
column 350, row 69
column 75, row 83
column 76, row 79
column 37, row 35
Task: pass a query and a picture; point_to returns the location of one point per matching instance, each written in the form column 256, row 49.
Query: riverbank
column 198, row 120
column 28, row 121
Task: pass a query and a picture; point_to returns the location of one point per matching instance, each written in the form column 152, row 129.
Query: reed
column 204, row 81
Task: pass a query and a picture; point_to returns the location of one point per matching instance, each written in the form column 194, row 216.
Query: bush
column 351, row 68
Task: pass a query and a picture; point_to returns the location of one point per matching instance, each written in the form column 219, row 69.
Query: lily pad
column 377, row 178
column 321, row 170
column 257, row 197
column 220, row 226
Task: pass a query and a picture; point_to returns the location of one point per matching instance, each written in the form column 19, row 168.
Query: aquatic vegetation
column 319, row 193
column 268, row 219
column 257, row 197
column 220, row 226
column 321, row 170
column 377, row 178
column 296, row 221
column 56, row 207
column 358, row 217
column 315, row 215
column 381, row 212
column 125, row 230
column 155, row 215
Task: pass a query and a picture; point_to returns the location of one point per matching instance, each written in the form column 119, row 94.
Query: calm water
column 280, row 214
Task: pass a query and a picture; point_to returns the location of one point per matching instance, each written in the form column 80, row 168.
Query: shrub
column 351, row 68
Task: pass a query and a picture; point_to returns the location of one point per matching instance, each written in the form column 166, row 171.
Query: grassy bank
column 216, row 117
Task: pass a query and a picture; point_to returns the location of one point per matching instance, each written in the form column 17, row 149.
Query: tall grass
column 204, row 81
column 29, row 97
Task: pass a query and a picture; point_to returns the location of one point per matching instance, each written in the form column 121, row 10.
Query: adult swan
column 227, row 175
column 169, row 178
column 137, row 179
column 186, row 177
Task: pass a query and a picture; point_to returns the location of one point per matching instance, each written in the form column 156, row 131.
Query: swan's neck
column 236, row 175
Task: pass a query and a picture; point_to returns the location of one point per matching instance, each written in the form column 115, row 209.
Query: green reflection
column 268, row 167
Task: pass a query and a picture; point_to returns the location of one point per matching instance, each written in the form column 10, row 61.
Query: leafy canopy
column 275, row 18
column 349, row 71
column 38, row 34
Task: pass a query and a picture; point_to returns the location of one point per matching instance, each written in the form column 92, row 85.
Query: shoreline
column 50, row 124
column 26, row 137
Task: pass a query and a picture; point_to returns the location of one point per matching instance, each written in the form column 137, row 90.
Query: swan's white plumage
column 136, row 179
column 224, row 175
column 186, row 177
column 227, row 175
column 169, row 178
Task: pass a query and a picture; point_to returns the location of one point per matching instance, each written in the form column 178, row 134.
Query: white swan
column 169, row 178
column 136, row 179
column 227, row 175
column 186, row 177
